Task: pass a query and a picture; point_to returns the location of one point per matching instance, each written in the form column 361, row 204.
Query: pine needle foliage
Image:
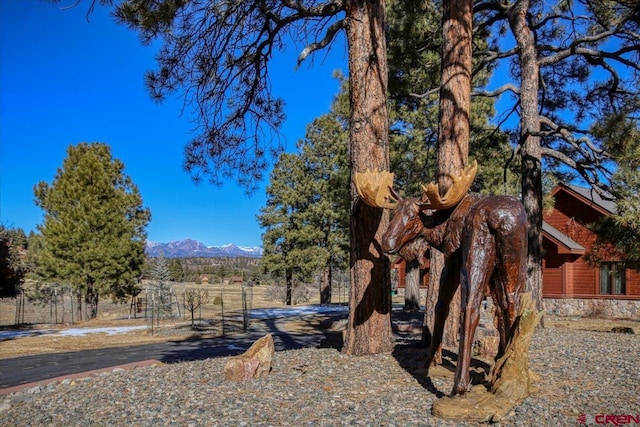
column 94, row 225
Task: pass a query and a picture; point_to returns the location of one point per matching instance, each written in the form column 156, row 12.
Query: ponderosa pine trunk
column 79, row 306
column 325, row 285
column 369, row 325
column 531, row 152
column 453, row 126
column 91, row 301
column 412, row 287
column 289, row 284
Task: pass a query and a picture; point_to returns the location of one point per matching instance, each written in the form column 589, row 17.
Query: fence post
column 222, row 309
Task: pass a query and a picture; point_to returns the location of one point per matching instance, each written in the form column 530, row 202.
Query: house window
column 612, row 278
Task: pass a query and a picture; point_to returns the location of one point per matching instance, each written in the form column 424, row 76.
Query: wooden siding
column 571, row 218
column 633, row 282
column 584, row 279
column 551, row 270
column 570, row 275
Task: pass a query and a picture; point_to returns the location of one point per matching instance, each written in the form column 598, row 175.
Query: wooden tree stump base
column 510, row 379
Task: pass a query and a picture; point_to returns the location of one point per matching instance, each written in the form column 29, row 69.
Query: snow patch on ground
column 275, row 313
column 71, row 332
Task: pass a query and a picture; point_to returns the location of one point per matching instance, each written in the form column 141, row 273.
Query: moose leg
column 498, row 304
column 449, row 281
column 510, row 276
column 506, row 301
column 477, row 267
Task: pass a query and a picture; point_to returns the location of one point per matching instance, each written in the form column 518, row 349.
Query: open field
column 62, row 309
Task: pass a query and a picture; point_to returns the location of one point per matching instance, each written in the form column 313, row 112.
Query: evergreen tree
column 13, row 265
column 324, row 151
column 94, row 225
column 414, row 39
column 175, row 269
column 621, row 136
column 160, row 288
column 286, row 241
column 324, row 211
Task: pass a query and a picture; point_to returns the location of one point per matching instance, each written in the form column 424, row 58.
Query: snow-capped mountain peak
column 193, row 248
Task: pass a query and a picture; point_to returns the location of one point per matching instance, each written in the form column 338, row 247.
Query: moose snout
column 389, row 245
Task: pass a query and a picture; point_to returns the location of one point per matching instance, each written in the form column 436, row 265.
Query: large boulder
column 254, row 363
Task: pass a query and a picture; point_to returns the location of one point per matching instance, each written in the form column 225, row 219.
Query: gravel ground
column 583, row 373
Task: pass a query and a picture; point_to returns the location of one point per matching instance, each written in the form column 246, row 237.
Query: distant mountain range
column 193, row 248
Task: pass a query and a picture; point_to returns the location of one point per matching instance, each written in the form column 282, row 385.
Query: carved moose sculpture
column 483, row 239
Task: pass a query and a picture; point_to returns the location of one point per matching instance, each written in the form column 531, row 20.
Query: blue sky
column 64, row 80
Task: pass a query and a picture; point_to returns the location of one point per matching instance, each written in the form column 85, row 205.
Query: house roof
column 590, row 197
column 565, row 244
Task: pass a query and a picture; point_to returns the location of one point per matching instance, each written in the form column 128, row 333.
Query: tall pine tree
column 94, row 225
column 160, row 288
column 323, row 208
column 289, row 251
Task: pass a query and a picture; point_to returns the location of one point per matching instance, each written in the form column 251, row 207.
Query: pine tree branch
column 579, row 45
column 589, row 172
column 499, row 91
column 567, row 135
column 425, row 94
column 328, row 38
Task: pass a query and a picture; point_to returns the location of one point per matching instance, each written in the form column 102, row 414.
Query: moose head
column 413, row 216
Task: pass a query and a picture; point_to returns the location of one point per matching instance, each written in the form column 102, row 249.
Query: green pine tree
column 307, row 212
column 94, row 225
column 288, row 196
column 161, row 288
column 621, row 136
column 324, row 151
column 13, row 266
column 176, row 270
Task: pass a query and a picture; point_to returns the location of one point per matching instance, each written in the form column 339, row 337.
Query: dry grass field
column 61, row 312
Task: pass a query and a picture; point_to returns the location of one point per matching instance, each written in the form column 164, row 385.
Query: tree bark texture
column 79, row 305
column 455, row 93
column 289, row 284
column 325, row 285
column 91, row 301
column 369, row 326
column 530, row 145
column 453, row 130
column 412, row 287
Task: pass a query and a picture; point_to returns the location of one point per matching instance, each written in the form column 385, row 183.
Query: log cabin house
column 571, row 286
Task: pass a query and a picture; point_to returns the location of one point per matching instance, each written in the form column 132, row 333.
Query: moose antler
column 375, row 188
column 461, row 184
